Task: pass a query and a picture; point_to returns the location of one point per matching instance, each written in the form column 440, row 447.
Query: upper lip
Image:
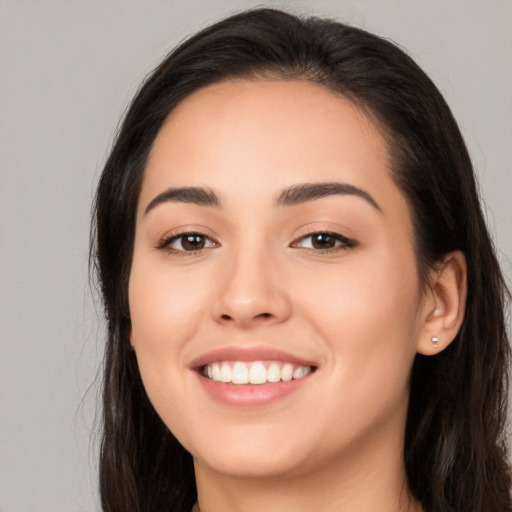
column 247, row 354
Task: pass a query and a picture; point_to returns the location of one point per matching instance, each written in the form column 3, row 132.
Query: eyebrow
column 296, row 194
column 302, row 193
column 195, row 195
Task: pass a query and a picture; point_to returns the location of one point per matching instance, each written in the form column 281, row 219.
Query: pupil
column 192, row 242
column 323, row 241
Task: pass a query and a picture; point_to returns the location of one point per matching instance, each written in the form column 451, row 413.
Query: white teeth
column 254, row 373
column 274, row 373
column 287, row 372
column 257, row 374
column 225, row 373
column 215, row 372
column 240, row 373
column 298, row 373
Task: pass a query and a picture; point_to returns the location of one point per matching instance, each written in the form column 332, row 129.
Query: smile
column 252, row 376
column 256, row 372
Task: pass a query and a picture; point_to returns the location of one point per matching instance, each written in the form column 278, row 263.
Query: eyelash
column 340, row 243
column 166, row 243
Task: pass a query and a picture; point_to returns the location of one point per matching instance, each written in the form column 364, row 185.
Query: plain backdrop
column 67, row 71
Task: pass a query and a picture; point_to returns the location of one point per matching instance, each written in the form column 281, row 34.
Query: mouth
column 250, row 377
column 254, row 372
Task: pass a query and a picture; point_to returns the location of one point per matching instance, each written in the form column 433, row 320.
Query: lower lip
column 250, row 395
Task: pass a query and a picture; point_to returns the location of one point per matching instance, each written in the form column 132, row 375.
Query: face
column 274, row 291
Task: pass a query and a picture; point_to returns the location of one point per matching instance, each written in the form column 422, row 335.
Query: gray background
column 68, row 69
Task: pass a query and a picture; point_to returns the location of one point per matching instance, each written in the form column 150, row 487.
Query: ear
column 130, row 338
column 445, row 303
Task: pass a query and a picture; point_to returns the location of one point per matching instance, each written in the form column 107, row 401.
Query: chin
column 253, row 454
column 252, row 465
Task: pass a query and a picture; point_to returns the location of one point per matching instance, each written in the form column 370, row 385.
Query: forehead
column 266, row 107
column 234, row 135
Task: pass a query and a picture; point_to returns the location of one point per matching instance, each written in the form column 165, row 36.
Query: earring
column 435, row 339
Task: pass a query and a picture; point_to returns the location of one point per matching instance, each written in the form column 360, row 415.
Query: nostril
column 261, row 315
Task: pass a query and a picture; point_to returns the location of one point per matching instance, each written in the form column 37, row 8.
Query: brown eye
column 187, row 242
column 193, row 242
column 323, row 241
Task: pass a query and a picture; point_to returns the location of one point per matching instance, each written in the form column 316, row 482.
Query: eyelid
column 342, row 242
column 165, row 242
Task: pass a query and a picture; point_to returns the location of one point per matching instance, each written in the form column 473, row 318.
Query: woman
column 304, row 308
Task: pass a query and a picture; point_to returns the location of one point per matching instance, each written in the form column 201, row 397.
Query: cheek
column 163, row 306
column 369, row 314
column 166, row 310
column 374, row 291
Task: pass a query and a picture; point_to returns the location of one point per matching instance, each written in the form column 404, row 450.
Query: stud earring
column 435, row 339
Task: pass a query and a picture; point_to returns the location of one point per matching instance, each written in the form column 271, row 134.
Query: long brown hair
column 455, row 453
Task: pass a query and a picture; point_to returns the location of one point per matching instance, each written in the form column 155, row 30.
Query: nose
column 251, row 293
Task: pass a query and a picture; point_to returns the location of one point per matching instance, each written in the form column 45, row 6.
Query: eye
column 324, row 241
column 187, row 242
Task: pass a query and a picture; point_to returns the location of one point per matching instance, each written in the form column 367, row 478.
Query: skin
column 357, row 310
